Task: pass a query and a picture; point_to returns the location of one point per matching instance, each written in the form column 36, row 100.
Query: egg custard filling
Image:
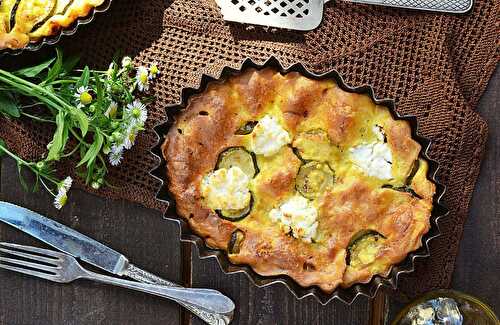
column 294, row 176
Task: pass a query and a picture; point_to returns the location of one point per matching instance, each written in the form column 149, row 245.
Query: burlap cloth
column 436, row 66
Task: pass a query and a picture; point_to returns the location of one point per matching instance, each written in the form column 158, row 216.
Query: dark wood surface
column 152, row 243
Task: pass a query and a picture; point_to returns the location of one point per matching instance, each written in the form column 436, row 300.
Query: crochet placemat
column 435, row 66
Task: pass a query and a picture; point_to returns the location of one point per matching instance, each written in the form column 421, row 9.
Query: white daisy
column 67, row 182
column 61, row 197
column 142, row 78
column 137, row 112
column 112, row 109
column 130, row 136
column 116, row 155
column 126, row 62
column 83, row 97
column 110, row 71
column 153, row 71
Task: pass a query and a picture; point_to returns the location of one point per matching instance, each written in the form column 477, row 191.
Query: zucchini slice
column 235, row 242
column 404, row 188
column 246, row 128
column 363, row 248
column 238, row 157
column 31, row 13
column 235, row 215
column 44, row 28
column 313, row 145
column 12, row 14
column 313, row 179
column 407, row 187
column 413, row 172
column 6, row 13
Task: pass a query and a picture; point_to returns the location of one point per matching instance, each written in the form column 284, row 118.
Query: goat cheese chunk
column 297, row 217
column 268, row 137
column 375, row 159
column 226, row 189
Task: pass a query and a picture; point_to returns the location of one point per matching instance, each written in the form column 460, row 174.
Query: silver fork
column 63, row 268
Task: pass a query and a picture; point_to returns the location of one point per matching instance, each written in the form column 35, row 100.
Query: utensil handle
column 138, row 274
column 206, row 299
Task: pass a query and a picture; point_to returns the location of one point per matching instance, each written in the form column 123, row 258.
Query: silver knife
column 91, row 251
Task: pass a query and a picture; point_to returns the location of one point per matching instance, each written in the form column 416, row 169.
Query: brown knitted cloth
column 436, row 66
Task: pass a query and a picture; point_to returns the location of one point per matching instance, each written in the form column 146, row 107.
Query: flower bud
column 126, row 62
column 117, row 136
column 115, row 125
column 106, row 149
column 116, row 88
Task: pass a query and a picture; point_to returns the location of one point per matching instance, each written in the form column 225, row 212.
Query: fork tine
column 32, row 249
column 36, row 266
column 30, row 256
column 30, row 272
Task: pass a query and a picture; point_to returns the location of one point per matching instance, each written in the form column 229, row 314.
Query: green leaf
column 93, row 150
column 34, row 71
column 60, row 138
column 55, row 70
column 84, row 79
column 90, row 172
column 36, row 186
column 70, row 63
column 9, row 105
column 82, row 119
column 21, row 178
column 2, row 145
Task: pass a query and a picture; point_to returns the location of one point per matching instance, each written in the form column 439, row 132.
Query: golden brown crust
column 37, row 19
column 356, row 202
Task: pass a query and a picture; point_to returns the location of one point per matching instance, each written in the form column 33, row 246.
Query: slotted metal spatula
column 307, row 14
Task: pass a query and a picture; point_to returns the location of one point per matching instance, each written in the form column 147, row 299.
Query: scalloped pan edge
column 346, row 295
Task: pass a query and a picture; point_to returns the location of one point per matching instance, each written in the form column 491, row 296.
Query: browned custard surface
column 295, row 176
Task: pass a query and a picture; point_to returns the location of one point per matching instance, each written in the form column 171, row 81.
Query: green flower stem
column 23, row 162
column 28, row 90
column 14, row 80
column 35, row 104
column 47, row 188
column 72, row 151
column 37, row 118
column 65, row 81
column 79, row 138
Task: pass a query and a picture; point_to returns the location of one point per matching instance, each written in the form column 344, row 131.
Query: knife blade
column 91, row 251
column 63, row 238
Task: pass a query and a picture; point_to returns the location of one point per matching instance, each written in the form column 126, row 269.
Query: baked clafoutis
column 295, row 176
column 25, row 21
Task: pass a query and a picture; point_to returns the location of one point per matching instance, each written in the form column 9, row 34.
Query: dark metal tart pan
column 53, row 39
column 347, row 295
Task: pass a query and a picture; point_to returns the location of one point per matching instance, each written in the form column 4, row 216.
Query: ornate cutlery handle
column 143, row 276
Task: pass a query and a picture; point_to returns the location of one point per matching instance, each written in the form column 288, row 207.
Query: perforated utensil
column 306, row 15
column 292, row 14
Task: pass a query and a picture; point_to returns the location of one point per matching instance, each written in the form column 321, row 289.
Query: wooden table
column 153, row 243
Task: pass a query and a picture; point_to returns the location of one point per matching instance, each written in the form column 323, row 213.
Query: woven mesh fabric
column 435, row 66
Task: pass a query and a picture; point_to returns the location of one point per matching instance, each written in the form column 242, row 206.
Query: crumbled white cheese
column 269, row 136
column 298, row 217
column 226, row 189
column 375, row 159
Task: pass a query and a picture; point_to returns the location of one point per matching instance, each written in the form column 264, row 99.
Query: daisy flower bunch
column 96, row 115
